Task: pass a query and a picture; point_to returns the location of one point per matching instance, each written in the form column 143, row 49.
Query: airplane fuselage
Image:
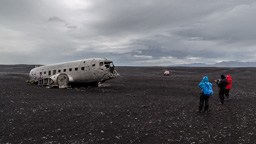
column 81, row 71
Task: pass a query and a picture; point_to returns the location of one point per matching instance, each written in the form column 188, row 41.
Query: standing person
column 205, row 94
column 222, row 83
column 229, row 80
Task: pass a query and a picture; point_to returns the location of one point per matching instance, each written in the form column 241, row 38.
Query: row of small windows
column 76, row 69
column 59, row 71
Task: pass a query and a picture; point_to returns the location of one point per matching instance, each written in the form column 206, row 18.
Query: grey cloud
column 163, row 31
column 71, row 27
column 173, row 46
column 57, row 19
column 232, row 26
column 146, row 16
column 54, row 19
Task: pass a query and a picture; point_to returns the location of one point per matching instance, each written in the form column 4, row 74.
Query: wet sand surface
column 141, row 106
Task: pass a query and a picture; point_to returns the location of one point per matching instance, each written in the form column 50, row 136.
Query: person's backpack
column 207, row 89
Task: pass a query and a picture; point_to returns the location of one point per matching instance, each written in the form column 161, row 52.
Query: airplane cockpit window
column 110, row 65
column 107, row 64
column 93, row 65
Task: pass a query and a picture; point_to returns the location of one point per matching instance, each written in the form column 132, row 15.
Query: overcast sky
column 129, row 32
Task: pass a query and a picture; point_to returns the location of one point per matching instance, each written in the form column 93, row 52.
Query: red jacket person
column 229, row 80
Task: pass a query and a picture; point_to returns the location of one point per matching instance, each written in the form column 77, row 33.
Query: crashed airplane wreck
column 93, row 71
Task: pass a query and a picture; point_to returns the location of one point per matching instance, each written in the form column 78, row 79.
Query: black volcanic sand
column 141, row 106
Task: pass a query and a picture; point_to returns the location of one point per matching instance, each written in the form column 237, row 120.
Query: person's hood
column 222, row 76
column 205, row 79
column 228, row 77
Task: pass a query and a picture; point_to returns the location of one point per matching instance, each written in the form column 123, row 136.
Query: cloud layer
column 144, row 32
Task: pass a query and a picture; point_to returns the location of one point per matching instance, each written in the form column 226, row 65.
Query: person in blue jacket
column 204, row 99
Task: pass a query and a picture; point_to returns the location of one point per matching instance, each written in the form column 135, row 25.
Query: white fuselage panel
column 87, row 70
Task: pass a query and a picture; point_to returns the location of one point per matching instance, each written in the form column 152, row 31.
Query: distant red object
column 166, row 73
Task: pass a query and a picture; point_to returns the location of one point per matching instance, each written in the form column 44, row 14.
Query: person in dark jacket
column 222, row 83
column 229, row 80
column 204, row 100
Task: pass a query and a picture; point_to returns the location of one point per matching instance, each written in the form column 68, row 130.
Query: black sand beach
column 141, row 106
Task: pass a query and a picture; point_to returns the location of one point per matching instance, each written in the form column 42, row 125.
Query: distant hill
column 221, row 64
column 193, row 65
column 235, row 64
